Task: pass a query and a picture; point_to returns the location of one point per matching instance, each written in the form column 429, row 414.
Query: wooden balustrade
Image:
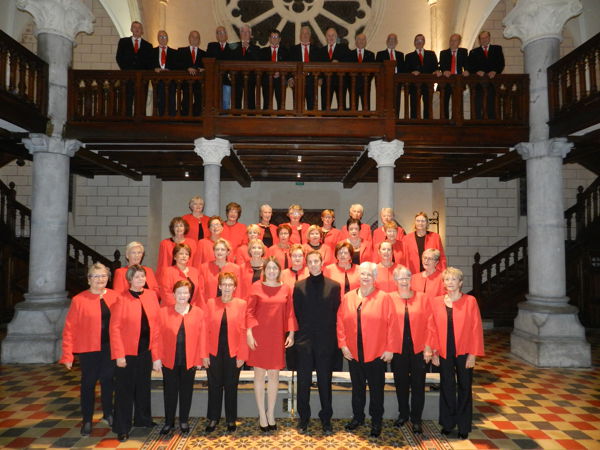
column 580, row 217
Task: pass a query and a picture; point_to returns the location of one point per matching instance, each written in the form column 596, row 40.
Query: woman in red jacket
column 392, row 232
column 178, row 228
column 134, row 254
column 460, row 341
column 315, row 242
column 298, row 270
column 416, row 338
column 205, row 251
column 280, row 250
column 181, row 270
column 85, row 334
column 209, row 271
column 299, row 228
column 362, row 247
column 197, row 220
column 385, row 268
column 133, row 336
column 268, row 231
column 233, row 231
column 331, row 235
column 416, row 242
column 343, row 271
column 251, row 271
column 241, row 254
column 365, row 330
column 270, row 316
column 430, row 280
column 228, row 350
column 182, row 346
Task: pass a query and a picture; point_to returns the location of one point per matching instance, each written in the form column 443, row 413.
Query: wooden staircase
column 15, row 226
column 501, row 282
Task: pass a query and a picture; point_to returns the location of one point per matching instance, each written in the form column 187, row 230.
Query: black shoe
column 272, row 427
column 417, row 428
column 302, row 426
column 463, row 436
column 166, row 429
column 327, row 428
column 231, row 427
column 354, row 424
column 212, row 425
column 445, row 432
column 375, row 431
column 86, row 428
column 399, row 422
column 123, row 437
column 184, row 427
column 263, row 429
column 108, row 420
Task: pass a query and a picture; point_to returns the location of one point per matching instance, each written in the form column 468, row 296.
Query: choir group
column 301, row 296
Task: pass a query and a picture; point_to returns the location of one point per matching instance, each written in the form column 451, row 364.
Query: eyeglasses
column 426, row 258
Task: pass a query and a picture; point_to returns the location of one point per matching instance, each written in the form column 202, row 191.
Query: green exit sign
column 299, row 183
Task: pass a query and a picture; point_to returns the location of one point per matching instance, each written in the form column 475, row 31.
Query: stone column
column 385, row 154
column 547, row 331
column 34, row 335
column 212, row 151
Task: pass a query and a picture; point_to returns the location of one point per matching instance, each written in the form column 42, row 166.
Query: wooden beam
column 360, row 168
column 107, row 164
column 236, row 169
column 487, row 167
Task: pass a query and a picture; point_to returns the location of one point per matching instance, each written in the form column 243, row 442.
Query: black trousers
column 491, row 101
column 132, row 389
column 416, row 92
column 409, row 376
column 309, row 357
column 161, row 98
column 276, row 91
column 196, row 89
column 373, row 374
column 96, row 366
column 456, row 396
column 178, row 383
column 223, row 377
column 250, row 93
column 309, row 92
column 334, row 91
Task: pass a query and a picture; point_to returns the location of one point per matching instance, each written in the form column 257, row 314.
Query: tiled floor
column 516, row 406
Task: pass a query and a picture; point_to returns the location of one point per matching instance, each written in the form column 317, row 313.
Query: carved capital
column 212, row 151
column 551, row 148
column 66, row 18
column 531, row 20
column 41, row 143
column 386, row 153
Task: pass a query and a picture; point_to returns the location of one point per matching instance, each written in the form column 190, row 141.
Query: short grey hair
column 401, row 270
column 370, row 266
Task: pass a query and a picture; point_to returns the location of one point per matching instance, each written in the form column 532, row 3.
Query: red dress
column 270, row 315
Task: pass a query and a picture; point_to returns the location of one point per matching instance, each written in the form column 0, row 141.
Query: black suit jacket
column 384, row 55
column 340, row 53
column 282, row 54
column 368, row 56
column 295, row 53
column 462, row 60
column 127, row 59
column 184, row 58
column 493, row 62
column 252, row 52
column 430, row 62
column 316, row 302
column 171, row 63
column 213, row 50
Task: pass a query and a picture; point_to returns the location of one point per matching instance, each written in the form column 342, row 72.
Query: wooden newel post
column 477, row 276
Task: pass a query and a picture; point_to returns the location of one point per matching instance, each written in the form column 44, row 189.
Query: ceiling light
column 298, row 175
column 187, row 174
column 299, row 158
column 406, row 176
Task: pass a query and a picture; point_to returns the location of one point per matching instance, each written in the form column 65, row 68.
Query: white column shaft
column 385, row 187
column 212, row 189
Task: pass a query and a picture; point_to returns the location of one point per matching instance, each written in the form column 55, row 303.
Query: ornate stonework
column 37, row 142
column 531, row 20
column 555, row 147
column 66, row 18
column 212, row 151
column 386, row 153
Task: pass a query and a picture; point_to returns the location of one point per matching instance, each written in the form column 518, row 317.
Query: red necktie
column 222, row 47
column 485, row 51
column 163, row 56
column 243, row 51
column 359, row 56
column 453, row 64
column 392, row 56
column 136, row 46
column 421, row 56
column 306, row 58
column 274, row 54
column 193, row 55
column 331, row 52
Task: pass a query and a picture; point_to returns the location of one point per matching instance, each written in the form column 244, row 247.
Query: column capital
column 531, row 20
column 386, row 153
column 212, row 151
column 66, row 18
column 41, row 143
column 552, row 148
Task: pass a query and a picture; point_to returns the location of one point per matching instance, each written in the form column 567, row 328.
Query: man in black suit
column 332, row 52
column 276, row 53
column 133, row 53
column 245, row 50
column 453, row 61
column 360, row 55
column 418, row 62
column 486, row 61
column 190, row 59
column 305, row 52
column 316, row 301
column 390, row 53
column 164, row 58
column 220, row 50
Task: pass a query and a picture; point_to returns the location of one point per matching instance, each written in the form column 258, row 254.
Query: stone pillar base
column 549, row 336
column 35, row 333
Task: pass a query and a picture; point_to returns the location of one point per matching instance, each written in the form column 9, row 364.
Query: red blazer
column 288, row 277
column 196, row 332
column 397, row 250
column 332, row 237
column 324, row 250
column 235, row 235
column 385, row 278
column 83, row 324
column 195, row 225
column 468, row 330
column 336, row 273
column 295, row 237
column 120, row 283
column 172, row 275
column 206, row 253
column 379, row 236
column 411, row 251
column 377, row 321
column 433, row 285
column 209, row 277
column 165, row 253
column 365, row 232
column 125, row 324
column 236, row 326
column 281, row 255
column 273, row 229
column 422, row 326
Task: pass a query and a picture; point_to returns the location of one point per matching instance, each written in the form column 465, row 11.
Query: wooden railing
column 23, row 75
column 573, row 88
column 584, row 213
